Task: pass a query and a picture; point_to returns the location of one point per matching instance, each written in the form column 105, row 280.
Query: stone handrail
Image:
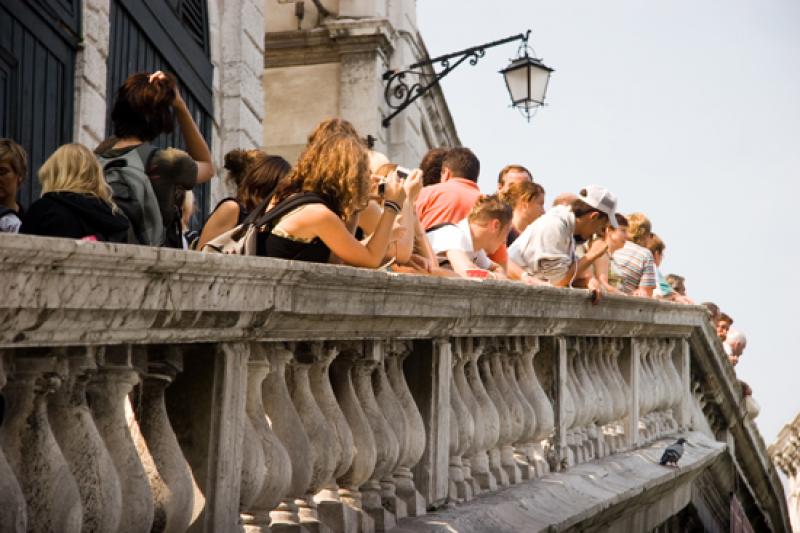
column 153, row 389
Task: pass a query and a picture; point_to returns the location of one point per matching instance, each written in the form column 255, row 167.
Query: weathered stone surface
column 587, row 497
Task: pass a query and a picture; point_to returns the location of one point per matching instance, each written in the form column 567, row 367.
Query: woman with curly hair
column 332, row 176
column 258, row 175
column 76, row 201
column 147, row 105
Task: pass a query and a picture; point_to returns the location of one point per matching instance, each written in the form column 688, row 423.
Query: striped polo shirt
column 634, row 267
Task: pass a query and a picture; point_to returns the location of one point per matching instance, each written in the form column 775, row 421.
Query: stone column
column 462, row 430
column 543, row 408
column 365, row 455
column 682, row 360
column 170, row 477
column 523, row 446
column 285, row 422
column 13, row 519
column 91, row 74
column 461, row 357
column 414, row 446
column 275, row 470
column 479, row 462
column 564, row 408
column 108, row 399
column 503, row 412
column 630, row 366
column 82, row 445
column 51, row 492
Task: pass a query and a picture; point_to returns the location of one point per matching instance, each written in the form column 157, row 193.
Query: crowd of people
column 340, row 202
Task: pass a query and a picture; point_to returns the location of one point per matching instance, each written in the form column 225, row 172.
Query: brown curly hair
column 329, row 127
column 337, row 168
column 523, row 191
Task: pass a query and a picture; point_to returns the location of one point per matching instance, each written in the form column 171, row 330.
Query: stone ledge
column 59, row 291
column 586, row 496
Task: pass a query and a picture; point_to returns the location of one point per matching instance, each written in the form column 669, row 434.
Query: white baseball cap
column 601, row 199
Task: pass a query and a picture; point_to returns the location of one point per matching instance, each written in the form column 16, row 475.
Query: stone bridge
column 157, row 390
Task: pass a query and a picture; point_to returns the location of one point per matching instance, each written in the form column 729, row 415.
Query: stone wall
column 153, row 388
column 785, row 453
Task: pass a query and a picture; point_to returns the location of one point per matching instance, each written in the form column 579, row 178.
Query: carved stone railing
column 151, row 389
column 785, row 453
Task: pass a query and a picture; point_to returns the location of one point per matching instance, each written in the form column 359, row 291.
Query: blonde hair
column 639, row 228
column 489, row 208
column 337, row 168
column 73, row 168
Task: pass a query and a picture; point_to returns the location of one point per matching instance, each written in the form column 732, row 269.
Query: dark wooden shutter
column 38, row 43
column 149, row 35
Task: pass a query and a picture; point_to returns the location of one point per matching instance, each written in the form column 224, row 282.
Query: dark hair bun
column 236, row 162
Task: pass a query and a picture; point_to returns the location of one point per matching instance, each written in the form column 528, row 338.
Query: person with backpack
column 143, row 178
column 13, row 169
column 76, row 201
column 328, row 185
column 257, row 174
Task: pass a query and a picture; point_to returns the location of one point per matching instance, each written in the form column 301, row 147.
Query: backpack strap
column 288, row 205
column 439, row 226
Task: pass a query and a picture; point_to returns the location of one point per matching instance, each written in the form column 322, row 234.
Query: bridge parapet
column 157, row 389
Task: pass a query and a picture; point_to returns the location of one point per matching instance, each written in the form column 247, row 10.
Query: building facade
column 326, row 59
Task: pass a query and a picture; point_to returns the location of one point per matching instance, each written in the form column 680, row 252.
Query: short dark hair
column 143, row 108
column 462, row 163
column 501, row 178
column 724, row 317
column 431, row 166
column 622, row 220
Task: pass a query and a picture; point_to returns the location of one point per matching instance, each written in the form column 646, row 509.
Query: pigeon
column 673, row 453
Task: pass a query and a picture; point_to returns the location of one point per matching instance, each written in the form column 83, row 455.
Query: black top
column 74, row 216
column 270, row 245
column 243, row 212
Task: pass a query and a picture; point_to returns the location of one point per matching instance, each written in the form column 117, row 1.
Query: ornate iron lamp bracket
column 400, row 93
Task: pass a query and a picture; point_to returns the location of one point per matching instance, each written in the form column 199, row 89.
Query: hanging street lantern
column 527, row 78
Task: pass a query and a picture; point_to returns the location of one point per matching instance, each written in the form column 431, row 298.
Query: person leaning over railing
column 545, row 251
column 633, row 264
column 527, row 202
column 260, row 176
column 465, row 247
column 330, row 184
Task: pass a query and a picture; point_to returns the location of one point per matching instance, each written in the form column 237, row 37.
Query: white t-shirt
column 546, row 249
column 457, row 237
column 10, row 223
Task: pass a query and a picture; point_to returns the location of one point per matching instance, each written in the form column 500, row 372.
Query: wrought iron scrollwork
column 400, row 93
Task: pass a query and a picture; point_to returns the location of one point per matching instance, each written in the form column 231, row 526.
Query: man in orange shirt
column 451, row 200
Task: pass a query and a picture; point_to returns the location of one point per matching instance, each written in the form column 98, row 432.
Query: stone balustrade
column 156, row 390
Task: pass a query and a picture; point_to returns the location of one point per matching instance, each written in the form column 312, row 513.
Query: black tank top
column 270, row 245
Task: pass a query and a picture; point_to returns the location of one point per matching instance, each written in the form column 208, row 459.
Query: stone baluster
column 286, row 424
column 661, row 385
column 489, row 417
column 616, row 398
column 51, row 493
column 496, row 398
column 588, row 400
column 318, row 429
column 14, row 518
column 645, row 389
column 393, row 412
column 676, row 388
column 266, row 467
column 575, row 413
column 169, row 474
column 604, row 405
column 543, row 409
column 365, row 452
column 615, row 349
column 386, row 444
column 462, row 432
column 460, row 359
column 414, row 446
column 82, row 446
column 113, row 415
column 514, row 413
column 332, row 511
column 523, row 446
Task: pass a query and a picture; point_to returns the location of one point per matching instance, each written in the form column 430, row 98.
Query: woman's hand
column 393, row 190
column 178, row 102
column 413, row 184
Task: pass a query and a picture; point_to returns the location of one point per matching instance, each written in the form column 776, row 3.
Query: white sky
column 689, row 110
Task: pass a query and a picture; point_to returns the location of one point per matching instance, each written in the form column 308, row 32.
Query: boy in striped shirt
column 633, row 264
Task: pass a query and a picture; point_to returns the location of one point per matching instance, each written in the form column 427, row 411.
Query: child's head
column 490, row 220
column 73, row 168
column 143, row 108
